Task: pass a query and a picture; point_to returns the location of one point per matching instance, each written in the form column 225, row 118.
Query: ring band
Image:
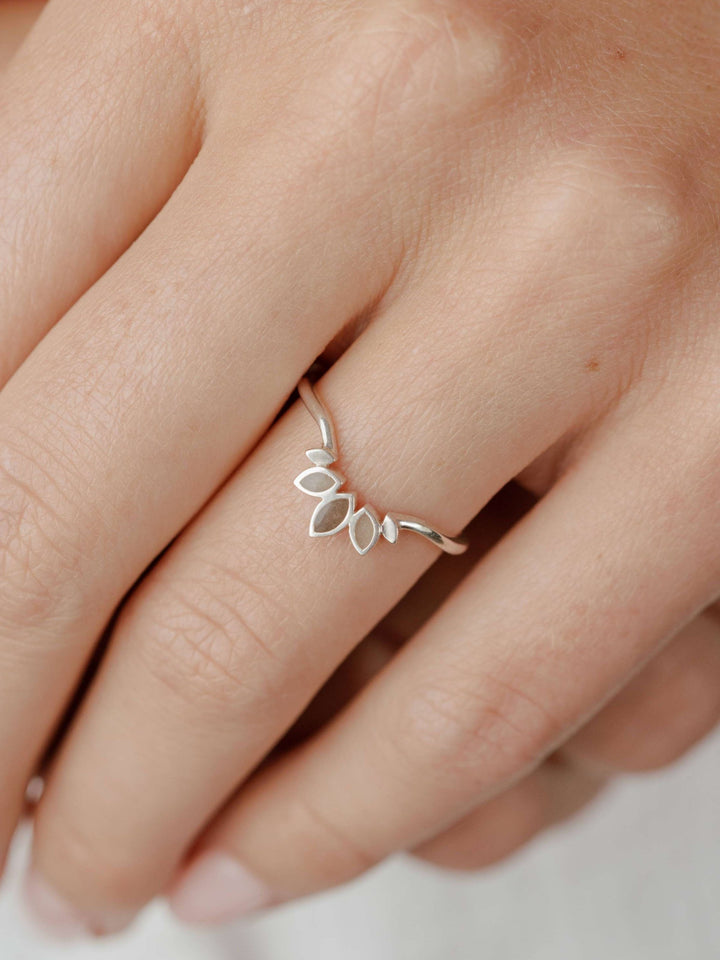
column 337, row 509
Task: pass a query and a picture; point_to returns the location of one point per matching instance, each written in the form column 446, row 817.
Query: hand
column 513, row 219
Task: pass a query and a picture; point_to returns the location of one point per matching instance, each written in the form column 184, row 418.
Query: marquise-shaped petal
column 390, row 529
column 332, row 515
column 320, row 457
column 365, row 530
column 319, row 481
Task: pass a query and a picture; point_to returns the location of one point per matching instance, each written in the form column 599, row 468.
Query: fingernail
column 51, row 912
column 62, row 920
column 218, row 888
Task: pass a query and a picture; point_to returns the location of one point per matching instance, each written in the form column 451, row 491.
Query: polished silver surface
column 337, row 510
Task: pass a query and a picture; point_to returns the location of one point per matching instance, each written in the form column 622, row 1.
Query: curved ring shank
column 454, row 545
column 321, row 415
column 393, row 523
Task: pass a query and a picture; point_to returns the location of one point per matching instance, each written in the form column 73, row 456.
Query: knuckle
column 328, row 850
column 157, row 26
column 622, row 213
column 446, row 51
column 145, row 34
column 94, row 872
column 489, row 732
column 212, row 639
column 420, row 62
column 38, row 564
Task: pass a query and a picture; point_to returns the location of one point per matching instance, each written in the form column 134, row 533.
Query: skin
column 16, row 19
column 500, row 223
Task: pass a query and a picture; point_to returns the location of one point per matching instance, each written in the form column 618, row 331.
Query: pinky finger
column 663, row 712
column 500, row 827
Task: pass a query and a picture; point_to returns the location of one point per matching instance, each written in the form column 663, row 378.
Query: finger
column 664, row 711
column 16, row 19
column 96, row 135
column 491, row 686
column 409, row 615
column 670, row 705
column 101, row 466
column 245, row 617
column 552, row 793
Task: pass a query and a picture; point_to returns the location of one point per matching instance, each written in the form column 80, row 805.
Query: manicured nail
column 51, row 912
column 63, row 921
column 218, row 888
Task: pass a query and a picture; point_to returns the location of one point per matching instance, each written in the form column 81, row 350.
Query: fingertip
column 217, row 888
column 51, row 912
column 58, row 918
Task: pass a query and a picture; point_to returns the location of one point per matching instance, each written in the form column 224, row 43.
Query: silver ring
column 337, row 509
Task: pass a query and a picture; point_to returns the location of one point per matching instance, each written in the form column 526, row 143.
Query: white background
column 635, row 878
